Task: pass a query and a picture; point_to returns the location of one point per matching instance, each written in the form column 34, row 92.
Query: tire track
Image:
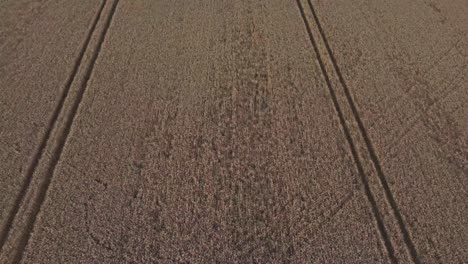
column 62, row 140
column 69, row 117
column 51, row 124
column 370, row 148
column 370, row 197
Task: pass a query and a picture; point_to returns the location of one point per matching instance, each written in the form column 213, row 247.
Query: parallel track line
column 62, row 141
column 388, row 193
column 363, row 177
column 51, row 124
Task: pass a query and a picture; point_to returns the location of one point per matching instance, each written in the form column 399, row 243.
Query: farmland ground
column 233, row 131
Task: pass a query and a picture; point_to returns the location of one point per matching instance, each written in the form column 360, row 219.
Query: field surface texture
column 233, row 131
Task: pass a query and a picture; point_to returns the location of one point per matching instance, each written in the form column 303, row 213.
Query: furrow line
column 28, row 209
column 368, row 193
column 45, row 138
column 63, row 139
column 370, row 148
